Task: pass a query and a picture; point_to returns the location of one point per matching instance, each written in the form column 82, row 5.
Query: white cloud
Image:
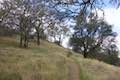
column 118, row 43
column 112, row 16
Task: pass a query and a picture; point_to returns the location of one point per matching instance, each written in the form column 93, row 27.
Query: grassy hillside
column 48, row 62
column 96, row 70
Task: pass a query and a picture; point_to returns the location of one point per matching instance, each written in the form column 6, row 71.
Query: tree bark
column 25, row 41
column 85, row 55
column 38, row 38
column 21, row 40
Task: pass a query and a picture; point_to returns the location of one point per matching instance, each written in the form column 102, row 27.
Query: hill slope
column 49, row 62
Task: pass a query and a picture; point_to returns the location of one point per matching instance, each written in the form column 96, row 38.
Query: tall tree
column 19, row 18
column 39, row 14
column 89, row 36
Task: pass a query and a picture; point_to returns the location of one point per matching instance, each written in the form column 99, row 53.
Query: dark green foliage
column 95, row 38
column 112, row 55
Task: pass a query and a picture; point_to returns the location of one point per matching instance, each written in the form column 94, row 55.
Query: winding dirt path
column 74, row 71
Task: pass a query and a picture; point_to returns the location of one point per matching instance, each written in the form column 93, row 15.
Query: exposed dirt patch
column 74, row 71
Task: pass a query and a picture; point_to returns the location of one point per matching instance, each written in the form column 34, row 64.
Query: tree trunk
column 60, row 40
column 38, row 38
column 21, row 39
column 25, row 40
column 85, row 54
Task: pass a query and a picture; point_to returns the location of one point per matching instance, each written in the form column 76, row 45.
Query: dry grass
column 34, row 63
column 95, row 70
column 48, row 62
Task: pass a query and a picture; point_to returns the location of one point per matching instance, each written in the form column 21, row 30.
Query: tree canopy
column 93, row 37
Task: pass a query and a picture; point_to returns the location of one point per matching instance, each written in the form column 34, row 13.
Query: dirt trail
column 74, row 72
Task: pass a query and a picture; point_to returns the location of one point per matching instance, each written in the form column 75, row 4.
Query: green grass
column 48, row 62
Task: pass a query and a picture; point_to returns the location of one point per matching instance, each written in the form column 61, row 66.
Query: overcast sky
column 112, row 16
